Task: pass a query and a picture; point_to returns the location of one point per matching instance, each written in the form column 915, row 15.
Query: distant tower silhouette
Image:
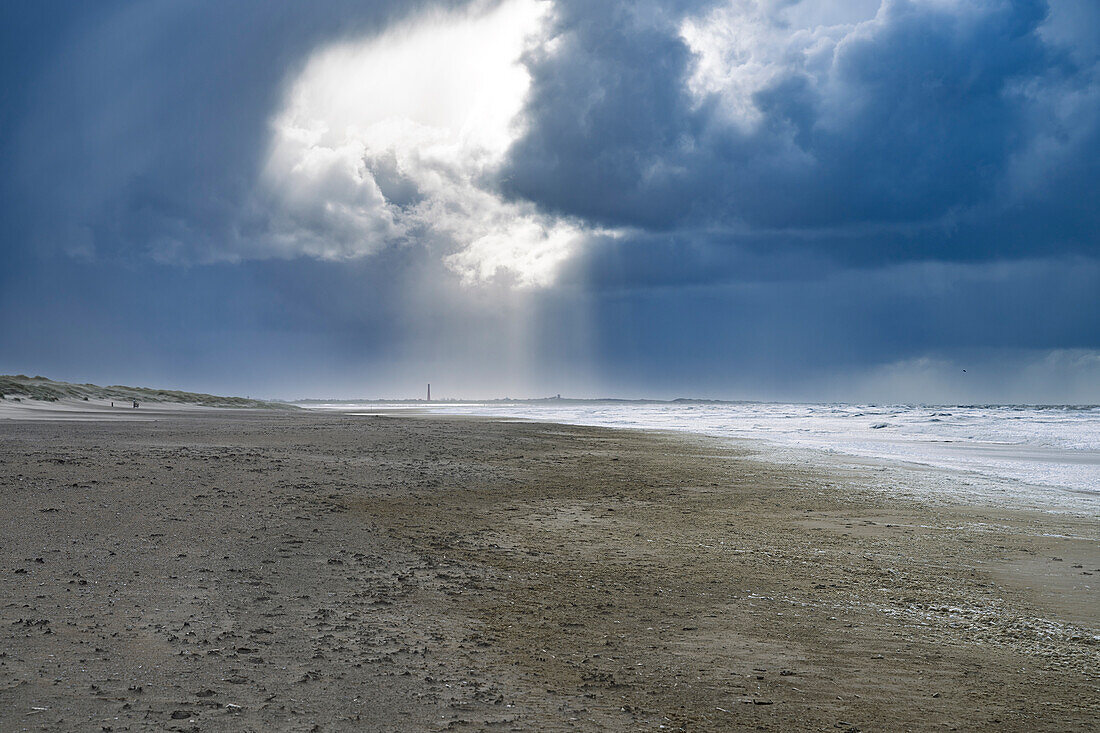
column 429, row 391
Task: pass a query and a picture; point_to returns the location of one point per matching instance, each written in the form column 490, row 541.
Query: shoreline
column 980, row 487
column 428, row 572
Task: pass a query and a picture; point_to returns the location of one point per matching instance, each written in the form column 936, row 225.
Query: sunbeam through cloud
column 360, row 160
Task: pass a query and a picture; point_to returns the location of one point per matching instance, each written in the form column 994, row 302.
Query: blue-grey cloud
column 754, row 194
column 143, row 129
column 927, row 118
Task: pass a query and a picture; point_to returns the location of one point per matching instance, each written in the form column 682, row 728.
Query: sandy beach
column 237, row 570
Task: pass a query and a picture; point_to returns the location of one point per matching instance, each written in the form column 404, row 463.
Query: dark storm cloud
column 934, row 131
column 937, row 131
column 608, row 108
column 850, row 187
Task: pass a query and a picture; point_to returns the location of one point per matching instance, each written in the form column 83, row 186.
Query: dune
column 40, row 398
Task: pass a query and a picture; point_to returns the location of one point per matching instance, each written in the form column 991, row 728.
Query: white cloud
column 397, row 138
column 742, row 46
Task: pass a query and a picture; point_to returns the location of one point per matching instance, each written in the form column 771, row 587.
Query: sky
column 827, row 200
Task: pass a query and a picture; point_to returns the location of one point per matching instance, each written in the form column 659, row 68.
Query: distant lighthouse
column 429, row 391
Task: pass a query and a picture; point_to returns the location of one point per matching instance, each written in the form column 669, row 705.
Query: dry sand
column 235, row 570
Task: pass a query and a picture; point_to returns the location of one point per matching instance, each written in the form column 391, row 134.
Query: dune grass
column 48, row 390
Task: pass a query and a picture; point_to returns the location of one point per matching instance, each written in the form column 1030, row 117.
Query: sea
column 1045, row 455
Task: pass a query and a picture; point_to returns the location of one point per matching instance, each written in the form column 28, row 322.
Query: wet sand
column 236, row 570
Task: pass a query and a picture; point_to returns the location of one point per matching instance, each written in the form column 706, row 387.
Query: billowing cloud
column 504, row 136
column 362, row 159
column 740, row 197
column 903, row 118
